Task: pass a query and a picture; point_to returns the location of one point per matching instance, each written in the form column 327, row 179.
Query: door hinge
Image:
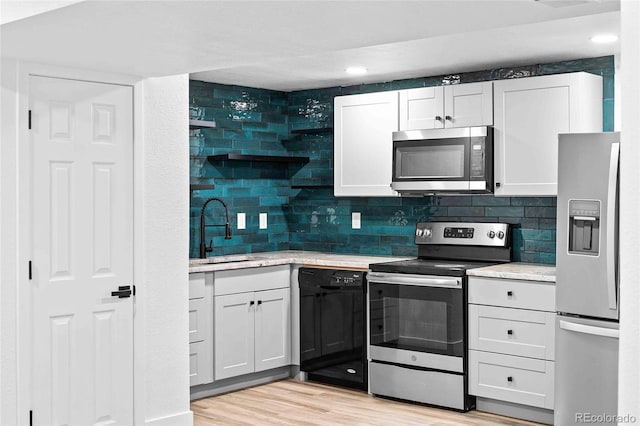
column 29, row 119
column 30, row 271
column 30, row 417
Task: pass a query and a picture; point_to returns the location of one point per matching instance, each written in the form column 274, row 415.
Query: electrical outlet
column 355, row 220
column 263, row 220
column 242, row 221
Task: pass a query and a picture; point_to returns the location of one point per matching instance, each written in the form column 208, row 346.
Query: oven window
column 416, row 318
column 430, row 161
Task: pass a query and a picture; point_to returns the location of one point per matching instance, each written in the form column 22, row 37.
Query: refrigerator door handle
column 611, row 220
column 589, row 329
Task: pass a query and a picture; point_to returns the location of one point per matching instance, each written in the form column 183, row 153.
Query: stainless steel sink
column 223, row 259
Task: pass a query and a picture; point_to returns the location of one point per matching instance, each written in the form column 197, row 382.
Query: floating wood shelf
column 198, row 187
column 312, row 131
column 201, row 124
column 259, row 158
column 312, row 186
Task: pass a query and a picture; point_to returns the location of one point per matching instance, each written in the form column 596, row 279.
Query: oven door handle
column 415, row 279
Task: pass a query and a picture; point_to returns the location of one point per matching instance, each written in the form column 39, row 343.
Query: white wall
column 161, row 208
column 8, row 242
column 165, row 269
column 629, row 377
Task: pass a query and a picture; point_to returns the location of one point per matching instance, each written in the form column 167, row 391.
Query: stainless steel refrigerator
column 587, row 296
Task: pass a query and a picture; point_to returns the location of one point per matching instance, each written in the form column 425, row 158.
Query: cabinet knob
column 259, row 302
column 448, row 117
column 509, row 332
column 497, row 184
column 509, row 293
column 251, row 303
column 510, row 379
column 438, row 118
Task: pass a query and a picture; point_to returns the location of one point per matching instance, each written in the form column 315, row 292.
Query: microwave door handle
column 611, row 220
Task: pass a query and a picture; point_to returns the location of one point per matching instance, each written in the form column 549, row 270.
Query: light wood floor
column 290, row 402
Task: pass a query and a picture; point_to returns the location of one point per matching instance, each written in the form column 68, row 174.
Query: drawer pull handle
column 509, row 293
column 509, row 332
column 510, row 379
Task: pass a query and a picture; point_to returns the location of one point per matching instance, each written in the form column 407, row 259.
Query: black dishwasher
column 333, row 326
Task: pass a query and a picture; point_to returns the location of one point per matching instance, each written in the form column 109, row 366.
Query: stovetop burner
column 428, row 267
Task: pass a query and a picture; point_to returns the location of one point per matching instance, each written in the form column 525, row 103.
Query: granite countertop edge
column 256, row 260
column 513, row 270
column 517, row 271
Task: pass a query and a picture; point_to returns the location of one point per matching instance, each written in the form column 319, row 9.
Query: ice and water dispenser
column 584, row 227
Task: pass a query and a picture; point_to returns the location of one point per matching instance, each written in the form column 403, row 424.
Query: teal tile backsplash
column 302, row 212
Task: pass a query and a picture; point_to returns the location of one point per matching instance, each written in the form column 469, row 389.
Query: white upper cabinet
column 363, row 148
column 529, row 115
column 458, row 105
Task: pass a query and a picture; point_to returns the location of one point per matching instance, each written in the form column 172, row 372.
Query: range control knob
column 427, row 233
column 500, row 234
column 491, row 234
column 419, row 232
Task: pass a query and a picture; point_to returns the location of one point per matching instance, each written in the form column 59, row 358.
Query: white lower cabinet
column 252, row 327
column 527, row 381
column 200, row 328
column 511, row 340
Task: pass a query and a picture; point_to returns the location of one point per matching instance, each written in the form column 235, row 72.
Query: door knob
column 123, row 292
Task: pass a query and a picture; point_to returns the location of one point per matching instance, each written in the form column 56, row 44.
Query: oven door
column 417, row 320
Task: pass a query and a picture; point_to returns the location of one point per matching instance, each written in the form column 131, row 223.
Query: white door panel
column 82, row 250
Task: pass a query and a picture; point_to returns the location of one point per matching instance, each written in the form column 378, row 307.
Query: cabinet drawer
column 196, row 285
column 535, row 295
column 198, row 327
column 252, row 279
column 512, row 331
column 200, row 364
column 510, row 378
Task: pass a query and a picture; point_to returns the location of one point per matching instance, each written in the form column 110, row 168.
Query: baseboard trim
column 179, row 419
column 234, row 383
column 525, row 412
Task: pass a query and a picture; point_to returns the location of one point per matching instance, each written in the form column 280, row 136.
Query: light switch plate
column 242, row 221
column 355, row 220
column 263, row 221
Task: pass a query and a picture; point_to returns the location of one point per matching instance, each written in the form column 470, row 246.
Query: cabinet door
column 468, row 104
column 234, row 335
column 529, row 115
column 363, row 147
column 199, row 327
column 200, row 364
column 272, row 329
column 422, row 108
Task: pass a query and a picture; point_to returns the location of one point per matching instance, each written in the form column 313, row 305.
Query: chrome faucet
column 204, row 249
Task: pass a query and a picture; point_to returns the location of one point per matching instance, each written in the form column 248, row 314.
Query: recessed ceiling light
column 604, row 38
column 356, row 70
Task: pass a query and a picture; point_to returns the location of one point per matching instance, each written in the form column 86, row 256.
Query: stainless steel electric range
column 418, row 313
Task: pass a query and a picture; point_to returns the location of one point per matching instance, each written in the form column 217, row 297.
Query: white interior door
column 82, row 251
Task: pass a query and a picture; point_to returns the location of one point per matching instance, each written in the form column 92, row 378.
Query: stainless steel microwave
column 458, row 160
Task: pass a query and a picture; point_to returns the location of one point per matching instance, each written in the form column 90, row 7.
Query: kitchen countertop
column 517, row 271
column 310, row 258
